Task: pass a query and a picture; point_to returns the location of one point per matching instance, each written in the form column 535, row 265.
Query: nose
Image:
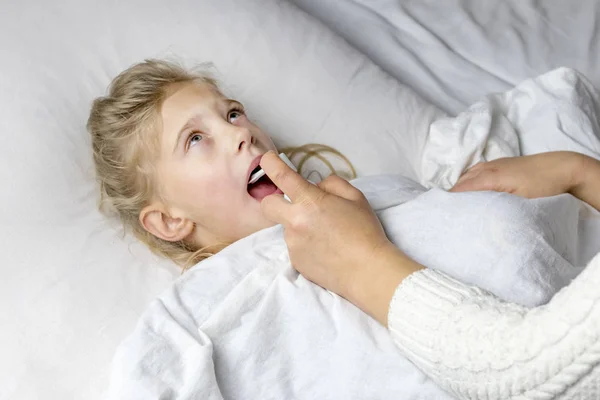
column 243, row 138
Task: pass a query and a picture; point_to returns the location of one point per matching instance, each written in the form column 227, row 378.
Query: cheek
column 264, row 139
column 269, row 143
column 213, row 198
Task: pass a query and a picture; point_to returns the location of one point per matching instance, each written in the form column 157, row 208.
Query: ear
column 158, row 222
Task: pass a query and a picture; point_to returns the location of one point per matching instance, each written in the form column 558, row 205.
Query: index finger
column 289, row 181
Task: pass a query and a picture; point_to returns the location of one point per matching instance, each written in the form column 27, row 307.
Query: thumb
column 289, row 181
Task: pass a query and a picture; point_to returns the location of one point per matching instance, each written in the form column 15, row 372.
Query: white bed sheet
column 452, row 52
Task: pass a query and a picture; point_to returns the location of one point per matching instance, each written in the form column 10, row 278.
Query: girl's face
column 208, row 149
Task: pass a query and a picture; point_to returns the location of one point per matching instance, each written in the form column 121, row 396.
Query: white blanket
column 245, row 325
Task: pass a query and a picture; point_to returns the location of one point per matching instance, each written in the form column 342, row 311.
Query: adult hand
column 539, row 175
column 335, row 239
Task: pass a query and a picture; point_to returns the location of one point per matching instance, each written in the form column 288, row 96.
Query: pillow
column 72, row 285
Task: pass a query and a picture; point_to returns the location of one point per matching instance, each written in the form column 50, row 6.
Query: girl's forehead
column 196, row 90
column 188, row 99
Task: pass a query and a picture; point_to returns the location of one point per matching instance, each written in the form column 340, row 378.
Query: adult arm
column 476, row 345
column 479, row 347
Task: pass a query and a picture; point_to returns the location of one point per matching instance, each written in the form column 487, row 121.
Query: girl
column 173, row 157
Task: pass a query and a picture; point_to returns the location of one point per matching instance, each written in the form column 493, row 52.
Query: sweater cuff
column 421, row 304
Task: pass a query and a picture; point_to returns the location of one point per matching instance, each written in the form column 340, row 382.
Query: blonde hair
column 122, row 125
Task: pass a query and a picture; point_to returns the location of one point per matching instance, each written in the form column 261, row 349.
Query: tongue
column 262, row 189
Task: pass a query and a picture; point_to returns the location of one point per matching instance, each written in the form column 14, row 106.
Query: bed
column 73, row 285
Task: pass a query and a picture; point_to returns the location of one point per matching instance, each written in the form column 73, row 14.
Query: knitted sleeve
column 478, row 347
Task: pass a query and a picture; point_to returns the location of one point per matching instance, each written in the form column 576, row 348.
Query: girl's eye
column 193, row 139
column 235, row 114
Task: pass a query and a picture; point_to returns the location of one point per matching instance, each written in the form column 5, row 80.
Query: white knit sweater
column 479, row 347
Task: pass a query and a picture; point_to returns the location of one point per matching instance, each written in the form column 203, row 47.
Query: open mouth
column 262, row 187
